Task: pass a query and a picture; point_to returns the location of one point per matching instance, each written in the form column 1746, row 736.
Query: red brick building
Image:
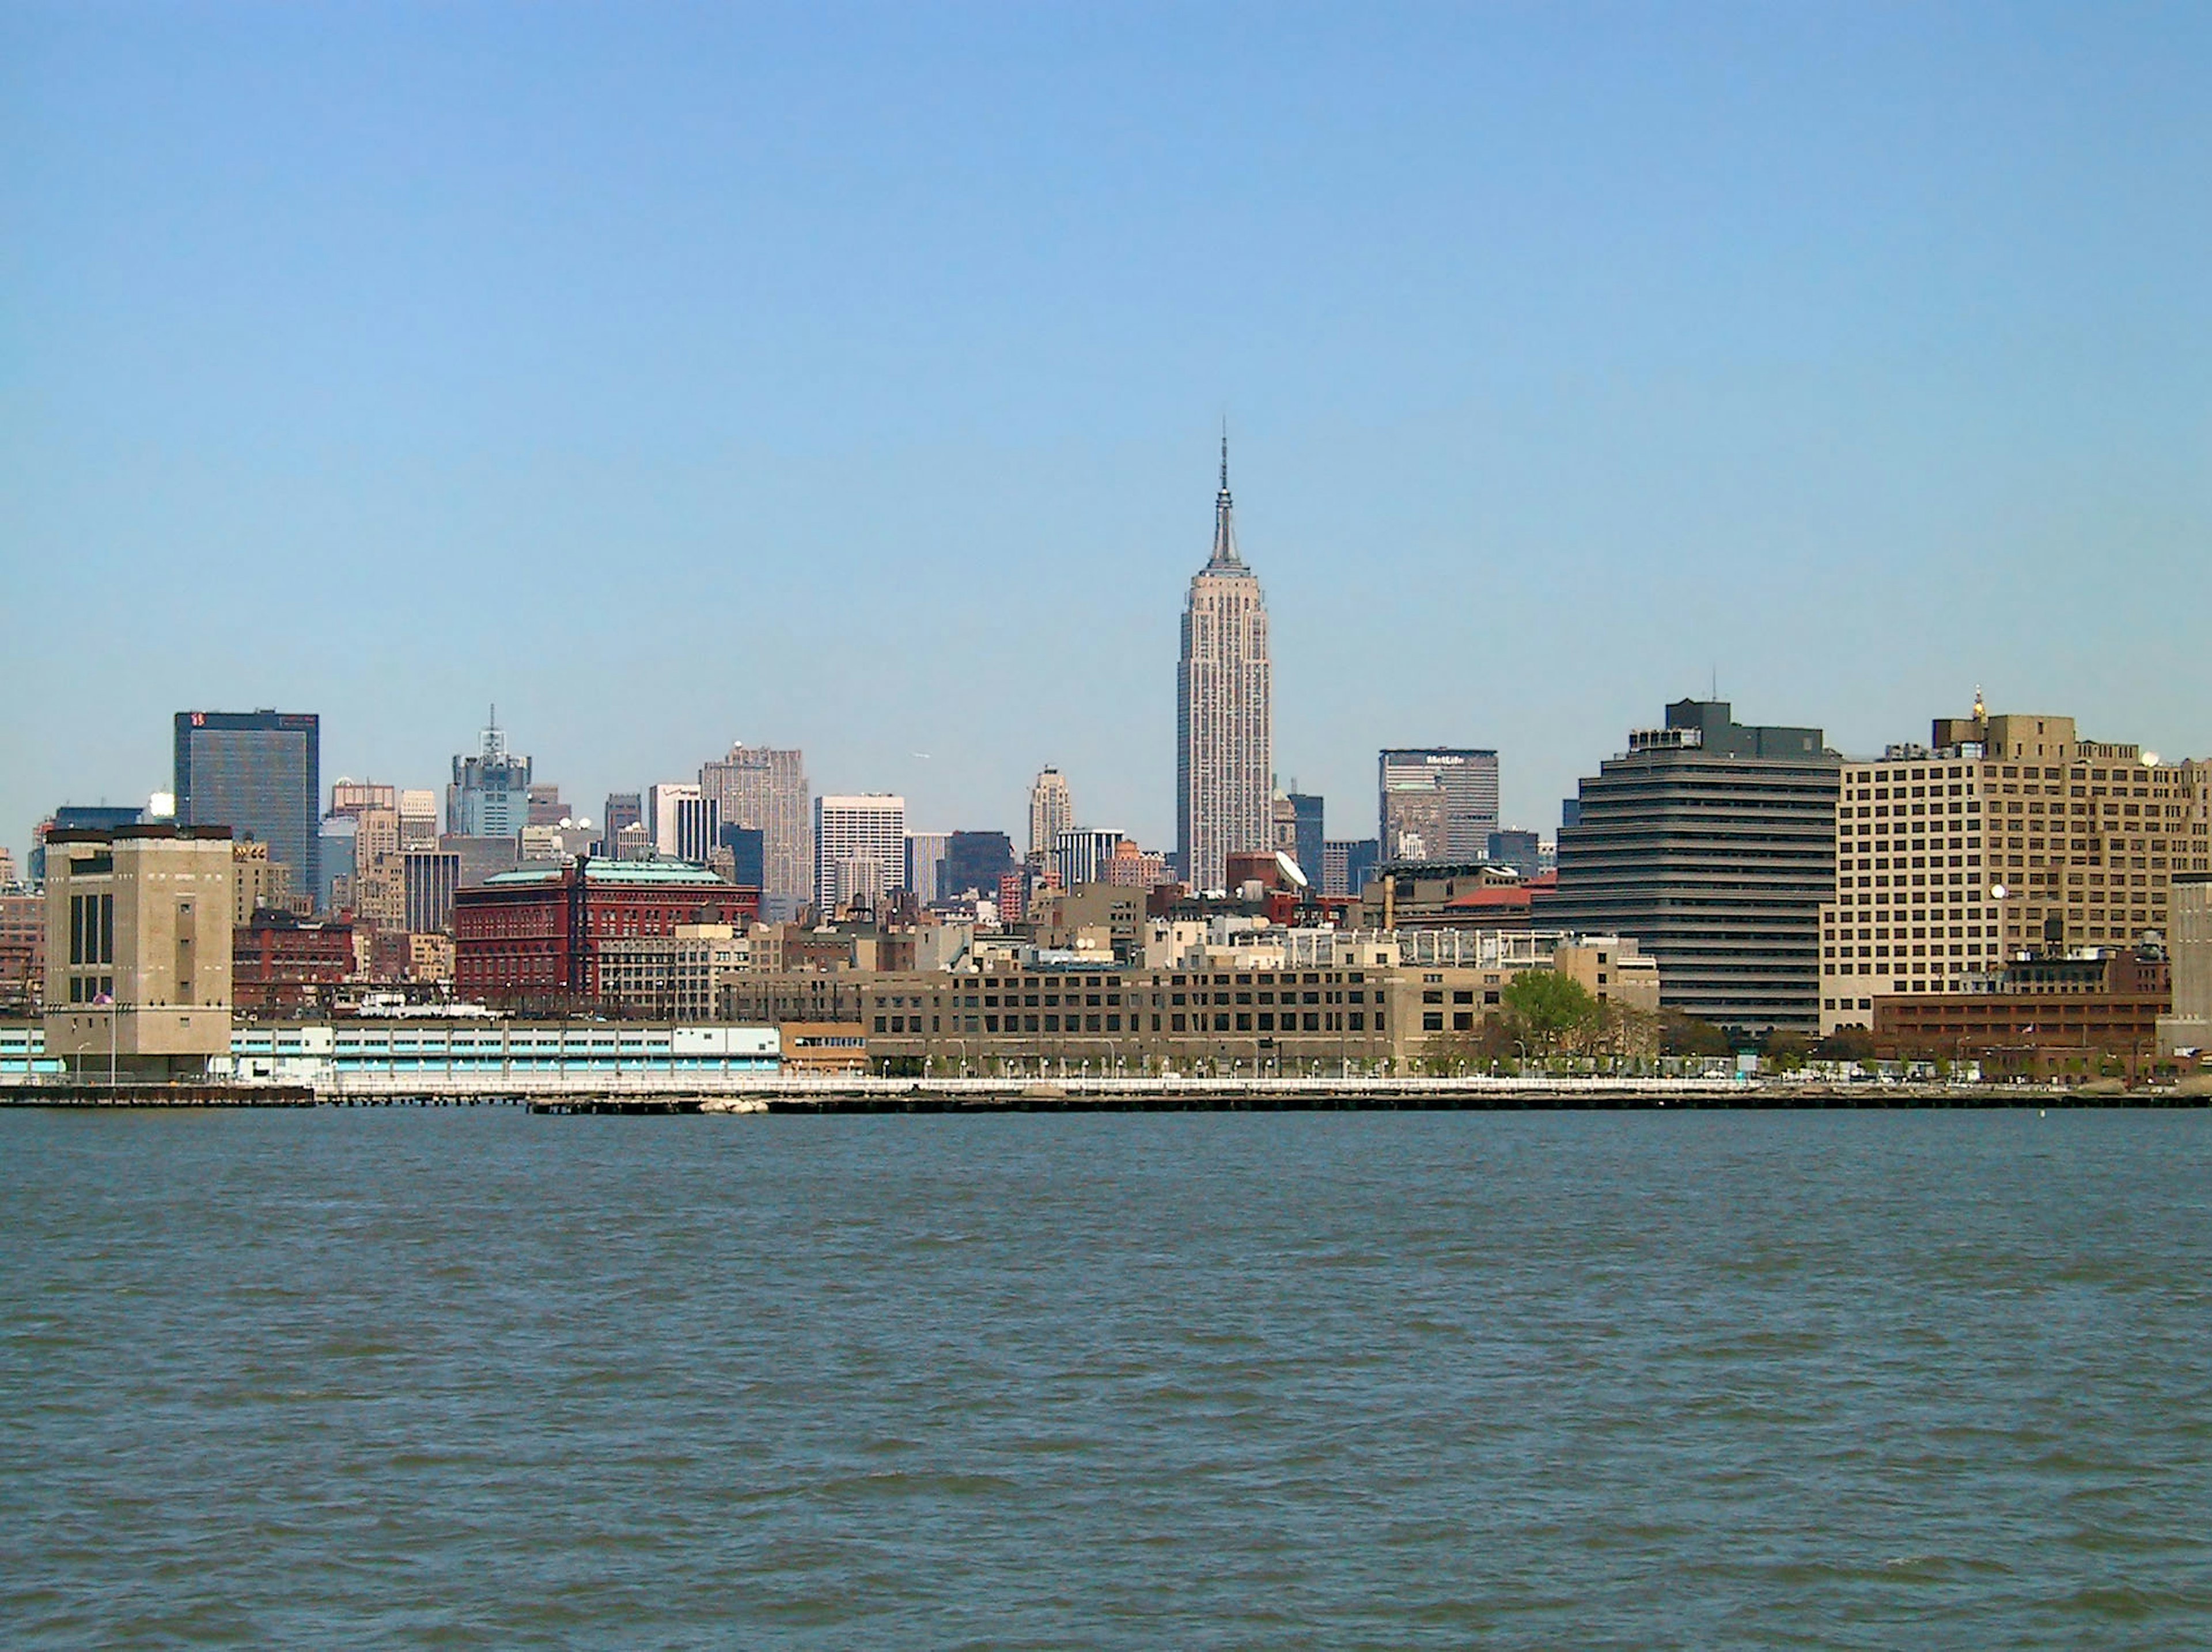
column 2079, row 1018
column 530, row 937
column 22, row 950
column 283, row 964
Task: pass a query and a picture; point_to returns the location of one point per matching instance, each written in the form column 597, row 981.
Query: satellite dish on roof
column 1290, row 869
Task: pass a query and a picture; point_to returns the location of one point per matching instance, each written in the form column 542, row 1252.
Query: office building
column 1084, row 855
column 1345, row 864
column 1456, row 785
column 283, row 964
column 335, row 841
column 1224, row 739
column 748, row 851
column 1520, row 850
column 350, row 797
column 860, row 848
column 2187, row 1025
column 139, row 946
column 429, row 879
column 22, row 948
column 1712, row 843
column 623, row 809
column 533, row 936
column 490, row 796
column 685, row 823
column 925, row 865
column 1051, row 811
column 418, row 819
column 974, row 863
column 259, row 773
column 1416, row 820
column 764, row 787
column 1300, row 834
column 2006, row 834
column 543, row 806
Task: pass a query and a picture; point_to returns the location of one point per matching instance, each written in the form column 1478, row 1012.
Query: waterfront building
column 1447, row 794
column 138, row 947
column 22, row 948
column 2070, row 1019
column 764, row 788
column 1052, row 811
column 860, row 848
column 1712, row 842
column 259, row 773
column 2007, row 833
column 2187, row 1025
column 533, row 936
column 490, row 796
column 1224, row 734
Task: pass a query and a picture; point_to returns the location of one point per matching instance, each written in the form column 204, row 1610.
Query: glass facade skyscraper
column 259, row 773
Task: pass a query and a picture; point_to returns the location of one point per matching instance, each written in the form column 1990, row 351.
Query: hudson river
column 474, row 1378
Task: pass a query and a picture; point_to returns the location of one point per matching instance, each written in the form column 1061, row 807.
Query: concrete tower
column 1225, row 746
column 1052, row 811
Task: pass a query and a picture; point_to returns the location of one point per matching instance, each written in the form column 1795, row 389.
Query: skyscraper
column 490, row 796
column 763, row 787
column 1712, row 842
column 1052, row 811
column 685, row 824
column 1420, row 787
column 1225, row 746
column 860, row 848
column 259, row 773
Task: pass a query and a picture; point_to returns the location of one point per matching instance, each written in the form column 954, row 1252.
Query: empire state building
column 1224, row 750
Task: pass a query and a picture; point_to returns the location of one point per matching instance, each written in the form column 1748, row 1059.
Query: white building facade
column 860, row 848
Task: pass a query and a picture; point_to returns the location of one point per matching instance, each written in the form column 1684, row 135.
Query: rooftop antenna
column 1981, row 712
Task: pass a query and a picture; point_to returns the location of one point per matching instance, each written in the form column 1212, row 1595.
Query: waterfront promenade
column 852, row 1093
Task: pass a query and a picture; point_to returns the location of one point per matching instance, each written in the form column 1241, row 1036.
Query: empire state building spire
column 1225, row 525
column 1224, row 750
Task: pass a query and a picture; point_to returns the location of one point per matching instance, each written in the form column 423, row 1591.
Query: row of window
column 92, row 929
column 1107, row 1022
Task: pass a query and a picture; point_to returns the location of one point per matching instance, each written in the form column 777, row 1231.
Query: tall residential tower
column 1225, row 747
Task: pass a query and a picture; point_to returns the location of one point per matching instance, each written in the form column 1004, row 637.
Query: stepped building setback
column 1712, row 842
column 1225, row 747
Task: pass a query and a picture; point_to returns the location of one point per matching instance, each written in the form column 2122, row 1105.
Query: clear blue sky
column 848, row 377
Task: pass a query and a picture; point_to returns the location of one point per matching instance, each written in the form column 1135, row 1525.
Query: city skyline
column 1562, row 350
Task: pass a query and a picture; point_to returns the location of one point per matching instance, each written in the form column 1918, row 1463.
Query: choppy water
column 478, row 1378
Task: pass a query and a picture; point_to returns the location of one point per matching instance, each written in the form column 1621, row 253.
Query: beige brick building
column 138, row 948
column 2008, row 834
